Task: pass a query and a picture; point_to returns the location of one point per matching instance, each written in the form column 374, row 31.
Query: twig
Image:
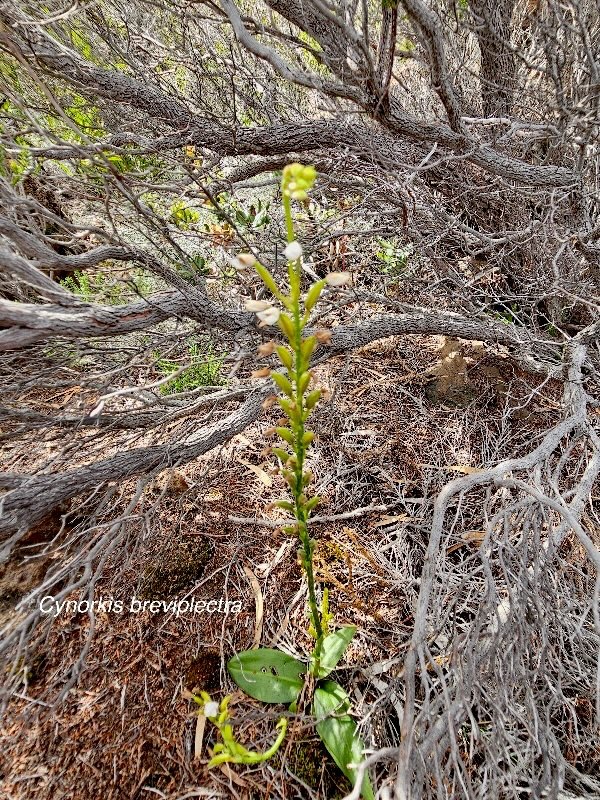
column 267, row 523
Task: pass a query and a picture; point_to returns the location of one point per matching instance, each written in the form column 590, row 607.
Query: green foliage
column 309, row 54
column 334, row 647
column 78, row 122
column 338, row 732
column 177, row 72
column 195, row 268
column 509, row 315
column 204, row 370
column 183, row 216
column 247, row 218
column 229, row 749
column 80, row 43
column 98, row 168
column 95, row 288
column 394, row 259
column 86, row 121
column 98, row 287
column 16, row 166
column 268, row 675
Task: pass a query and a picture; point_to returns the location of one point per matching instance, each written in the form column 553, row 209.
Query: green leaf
column 268, row 675
column 338, row 732
column 333, row 648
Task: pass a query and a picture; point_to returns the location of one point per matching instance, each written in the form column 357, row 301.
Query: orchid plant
column 266, row 674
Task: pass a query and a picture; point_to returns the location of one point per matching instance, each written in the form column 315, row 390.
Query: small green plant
column 79, row 283
column 393, row 259
column 229, row 749
column 266, row 674
column 509, row 315
column 94, row 288
column 183, row 216
column 204, row 370
column 251, row 218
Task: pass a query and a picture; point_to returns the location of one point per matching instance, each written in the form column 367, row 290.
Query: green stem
column 289, row 220
column 300, row 447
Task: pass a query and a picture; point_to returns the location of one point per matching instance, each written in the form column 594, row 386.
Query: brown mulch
column 126, row 730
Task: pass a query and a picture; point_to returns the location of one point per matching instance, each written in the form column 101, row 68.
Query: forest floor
column 403, row 419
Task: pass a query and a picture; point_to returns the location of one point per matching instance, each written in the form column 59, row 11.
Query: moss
column 178, row 565
column 310, row 762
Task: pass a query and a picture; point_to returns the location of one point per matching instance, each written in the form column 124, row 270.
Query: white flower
column 211, row 709
column 98, row 410
column 244, row 261
column 257, row 305
column 269, row 315
column 338, row 278
column 293, row 251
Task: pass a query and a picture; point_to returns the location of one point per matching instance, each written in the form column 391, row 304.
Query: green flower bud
column 309, row 173
column 287, row 506
column 303, row 381
column 286, row 325
column 267, row 279
column 290, row 530
column 291, row 481
column 287, row 405
column 312, row 399
column 286, row 434
column 314, row 501
column 285, row 356
column 307, row 346
column 313, row 294
column 283, row 383
column 281, row 454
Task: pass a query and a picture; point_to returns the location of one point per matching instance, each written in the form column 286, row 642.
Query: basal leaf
column 333, row 648
column 338, row 732
column 268, row 675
